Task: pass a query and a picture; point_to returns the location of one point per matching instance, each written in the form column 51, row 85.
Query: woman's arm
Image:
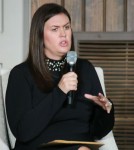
column 103, row 121
column 26, row 120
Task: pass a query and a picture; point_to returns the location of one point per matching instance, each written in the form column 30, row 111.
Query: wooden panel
column 114, row 52
column 94, row 15
column 124, row 128
column 115, row 15
column 130, row 17
column 75, row 9
column 37, row 3
column 97, row 15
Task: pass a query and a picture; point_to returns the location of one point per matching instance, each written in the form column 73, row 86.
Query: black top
column 36, row 117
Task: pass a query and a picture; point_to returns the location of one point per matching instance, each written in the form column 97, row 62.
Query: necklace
column 55, row 65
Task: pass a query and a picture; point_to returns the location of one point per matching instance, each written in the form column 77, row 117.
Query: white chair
column 4, row 143
column 108, row 140
column 11, row 139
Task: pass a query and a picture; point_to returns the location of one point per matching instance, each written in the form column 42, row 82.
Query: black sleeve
column 26, row 121
column 103, row 122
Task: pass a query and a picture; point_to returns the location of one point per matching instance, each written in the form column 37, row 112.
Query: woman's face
column 57, row 36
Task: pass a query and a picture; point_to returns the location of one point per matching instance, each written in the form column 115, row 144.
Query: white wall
column 15, row 34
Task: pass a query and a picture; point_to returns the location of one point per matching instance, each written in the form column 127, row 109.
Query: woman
column 37, row 92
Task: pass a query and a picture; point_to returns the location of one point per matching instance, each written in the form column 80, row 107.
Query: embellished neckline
column 55, row 65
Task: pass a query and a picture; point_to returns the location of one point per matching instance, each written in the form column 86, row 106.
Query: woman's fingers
column 107, row 103
column 101, row 100
column 108, row 106
column 68, row 82
column 94, row 99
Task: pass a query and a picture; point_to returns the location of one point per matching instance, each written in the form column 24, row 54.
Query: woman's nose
column 63, row 33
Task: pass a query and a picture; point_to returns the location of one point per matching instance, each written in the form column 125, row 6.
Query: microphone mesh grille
column 71, row 57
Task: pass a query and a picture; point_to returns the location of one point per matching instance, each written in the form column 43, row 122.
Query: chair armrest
column 3, row 146
column 109, row 142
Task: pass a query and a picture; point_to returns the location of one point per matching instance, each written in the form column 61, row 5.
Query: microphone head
column 71, row 57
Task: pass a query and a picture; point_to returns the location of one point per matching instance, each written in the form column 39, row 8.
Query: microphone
column 71, row 60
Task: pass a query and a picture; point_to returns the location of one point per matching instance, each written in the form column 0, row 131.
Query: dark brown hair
column 36, row 45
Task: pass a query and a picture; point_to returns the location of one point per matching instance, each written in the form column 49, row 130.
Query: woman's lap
column 65, row 147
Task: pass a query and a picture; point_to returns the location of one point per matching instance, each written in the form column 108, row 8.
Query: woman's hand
column 68, row 82
column 101, row 100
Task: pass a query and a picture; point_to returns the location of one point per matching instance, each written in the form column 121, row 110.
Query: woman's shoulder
column 84, row 62
column 20, row 69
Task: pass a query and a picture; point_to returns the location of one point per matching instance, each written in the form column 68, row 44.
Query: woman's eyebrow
column 67, row 24
column 63, row 25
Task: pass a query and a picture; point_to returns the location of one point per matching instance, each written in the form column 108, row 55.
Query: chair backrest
column 108, row 140
column 100, row 74
column 4, row 144
column 4, row 74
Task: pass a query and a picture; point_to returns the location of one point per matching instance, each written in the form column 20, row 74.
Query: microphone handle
column 70, row 93
column 71, row 68
column 70, row 97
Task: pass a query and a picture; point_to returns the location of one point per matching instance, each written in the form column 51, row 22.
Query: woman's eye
column 67, row 27
column 54, row 29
